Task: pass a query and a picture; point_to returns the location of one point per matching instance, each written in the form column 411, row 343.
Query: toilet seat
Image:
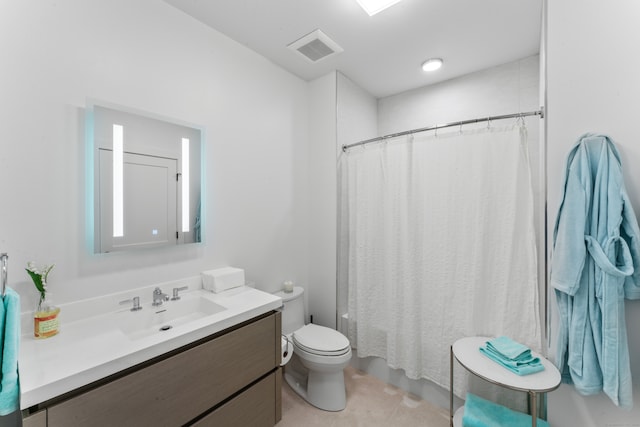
column 320, row 340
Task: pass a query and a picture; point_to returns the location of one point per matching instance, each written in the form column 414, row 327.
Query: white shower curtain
column 439, row 245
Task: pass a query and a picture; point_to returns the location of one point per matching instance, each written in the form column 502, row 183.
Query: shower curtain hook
column 489, row 123
column 460, row 130
column 436, row 132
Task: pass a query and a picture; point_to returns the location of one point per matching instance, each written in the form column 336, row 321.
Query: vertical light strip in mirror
column 185, row 185
column 118, row 180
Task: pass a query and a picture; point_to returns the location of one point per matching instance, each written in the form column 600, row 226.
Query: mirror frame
column 147, row 125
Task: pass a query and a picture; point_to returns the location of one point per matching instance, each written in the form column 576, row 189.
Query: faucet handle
column 175, row 296
column 135, row 301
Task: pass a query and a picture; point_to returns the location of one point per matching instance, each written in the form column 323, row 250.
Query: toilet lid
column 321, row 340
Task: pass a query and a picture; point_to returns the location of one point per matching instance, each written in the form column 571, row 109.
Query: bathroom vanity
column 220, row 369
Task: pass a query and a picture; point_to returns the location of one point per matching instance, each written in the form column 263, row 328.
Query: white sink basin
column 152, row 320
column 99, row 337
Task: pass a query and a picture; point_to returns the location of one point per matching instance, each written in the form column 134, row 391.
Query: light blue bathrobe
column 595, row 266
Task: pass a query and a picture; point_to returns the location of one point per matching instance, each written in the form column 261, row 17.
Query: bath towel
column 509, row 348
column 519, row 368
column 479, row 412
column 594, row 267
column 512, row 355
column 10, row 325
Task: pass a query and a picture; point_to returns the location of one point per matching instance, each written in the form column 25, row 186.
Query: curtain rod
column 446, row 125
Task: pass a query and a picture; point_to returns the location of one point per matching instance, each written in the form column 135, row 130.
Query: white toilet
column 320, row 355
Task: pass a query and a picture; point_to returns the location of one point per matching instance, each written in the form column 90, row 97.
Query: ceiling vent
column 315, row 46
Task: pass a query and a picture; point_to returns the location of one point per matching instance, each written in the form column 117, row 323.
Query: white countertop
column 90, row 346
column 466, row 351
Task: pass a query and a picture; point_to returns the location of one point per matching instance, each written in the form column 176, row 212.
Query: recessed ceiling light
column 374, row 6
column 432, row 64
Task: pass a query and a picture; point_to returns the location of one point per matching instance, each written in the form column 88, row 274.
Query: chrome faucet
column 159, row 297
column 135, row 301
column 175, row 296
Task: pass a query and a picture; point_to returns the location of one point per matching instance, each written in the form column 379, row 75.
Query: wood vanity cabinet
column 232, row 378
column 38, row 419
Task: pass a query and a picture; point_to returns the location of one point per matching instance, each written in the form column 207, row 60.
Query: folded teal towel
column 479, row 412
column 509, row 348
column 9, row 346
column 519, row 369
column 512, row 355
column 520, row 361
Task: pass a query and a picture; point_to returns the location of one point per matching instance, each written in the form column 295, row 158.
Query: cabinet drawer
column 175, row 390
column 255, row 407
column 39, row 419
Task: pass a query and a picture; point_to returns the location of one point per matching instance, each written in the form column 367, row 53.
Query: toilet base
column 327, row 391
column 323, row 390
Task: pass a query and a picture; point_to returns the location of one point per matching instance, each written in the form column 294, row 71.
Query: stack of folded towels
column 479, row 412
column 512, row 355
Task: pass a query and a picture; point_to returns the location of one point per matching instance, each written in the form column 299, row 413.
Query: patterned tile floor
column 370, row 403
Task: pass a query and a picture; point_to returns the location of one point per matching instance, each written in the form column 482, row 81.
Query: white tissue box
column 221, row 279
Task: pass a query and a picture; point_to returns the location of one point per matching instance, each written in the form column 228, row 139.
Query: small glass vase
column 45, row 319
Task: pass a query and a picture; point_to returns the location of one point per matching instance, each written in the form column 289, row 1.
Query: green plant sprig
column 39, row 277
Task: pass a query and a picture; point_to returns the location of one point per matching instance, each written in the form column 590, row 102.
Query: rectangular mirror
column 147, row 180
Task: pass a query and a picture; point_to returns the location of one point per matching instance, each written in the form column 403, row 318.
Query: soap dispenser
column 45, row 319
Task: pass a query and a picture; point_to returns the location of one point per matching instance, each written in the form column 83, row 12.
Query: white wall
column 148, row 56
column 340, row 112
column 593, row 86
column 322, row 194
column 357, row 113
column 504, row 89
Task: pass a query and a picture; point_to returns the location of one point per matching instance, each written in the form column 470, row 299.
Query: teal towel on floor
column 479, row 412
column 9, row 349
column 509, row 348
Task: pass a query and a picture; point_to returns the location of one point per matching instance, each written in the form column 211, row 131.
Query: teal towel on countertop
column 479, row 412
column 509, row 348
column 9, row 349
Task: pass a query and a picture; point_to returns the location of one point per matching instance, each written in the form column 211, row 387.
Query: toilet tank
column 292, row 310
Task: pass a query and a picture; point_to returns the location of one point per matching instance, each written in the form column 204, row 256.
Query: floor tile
column 370, row 403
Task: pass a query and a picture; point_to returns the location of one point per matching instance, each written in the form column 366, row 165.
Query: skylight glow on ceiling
column 374, row 6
